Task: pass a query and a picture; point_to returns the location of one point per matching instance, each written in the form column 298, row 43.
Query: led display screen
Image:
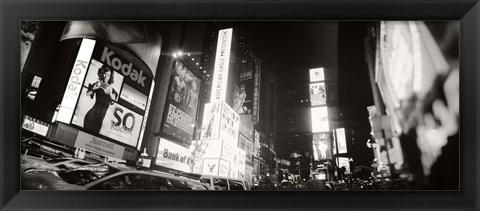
column 320, row 119
column 318, row 96
column 322, row 149
column 317, row 74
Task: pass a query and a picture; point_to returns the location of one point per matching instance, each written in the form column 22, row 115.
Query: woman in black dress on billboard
column 104, row 97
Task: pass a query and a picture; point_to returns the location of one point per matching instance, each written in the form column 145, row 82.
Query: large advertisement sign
column 222, row 63
column 322, row 149
column 341, row 140
column 320, row 119
column 243, row 92
column 173, row 156
column 229, row 126
column 183, row 99
column 211, row 120
column 113, row 98
column 317, row 74
column 99, row 145
column 74, row 85
column 318, row 96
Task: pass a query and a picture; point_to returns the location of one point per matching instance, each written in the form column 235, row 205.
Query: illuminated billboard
column 317, row 74
column 183, row 97
column 216, row 167
column 222, row 63
column 211, row 120
column 341, row 140
column 34, row 125
column 320, row 119
column 113, row 98
column 344, row 162
column 174, row 156
column 219, row 149
column 318, row 96
column 74, row 85
column 99, row 145
column 322, row 146
column 243, row 92
column 229, row 126
column 220, row 122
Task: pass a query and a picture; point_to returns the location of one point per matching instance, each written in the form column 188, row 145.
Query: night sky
column 290, row 49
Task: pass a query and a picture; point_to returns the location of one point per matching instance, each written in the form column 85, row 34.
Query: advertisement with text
column 113, row 97
column 183, row 99
column 318, row 96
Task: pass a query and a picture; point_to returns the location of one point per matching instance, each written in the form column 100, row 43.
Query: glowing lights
column 320, row 119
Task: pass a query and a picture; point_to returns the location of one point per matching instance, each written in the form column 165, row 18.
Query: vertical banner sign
column 318, row 95
column 341, row 140
column 256, row 93
column 75, row 81
column 144, row 122
column 243, row 92
column 222, row 62
column 317, row 74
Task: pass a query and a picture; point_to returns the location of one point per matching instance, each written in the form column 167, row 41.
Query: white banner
column 222, row 63
column 341, row 140
column 74, row 85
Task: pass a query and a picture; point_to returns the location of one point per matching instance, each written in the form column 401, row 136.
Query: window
column 195, row 186
column 236, row 185
column 220, row 184
column 124, row 182
column 161, row 183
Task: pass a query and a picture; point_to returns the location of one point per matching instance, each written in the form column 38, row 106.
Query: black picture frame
column 12, row 12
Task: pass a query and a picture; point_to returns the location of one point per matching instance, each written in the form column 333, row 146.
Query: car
column 286, row 185
column 107, row 177
column 218, row 182
column 28, row 163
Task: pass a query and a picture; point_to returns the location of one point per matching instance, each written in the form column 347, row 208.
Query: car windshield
column 86, row 174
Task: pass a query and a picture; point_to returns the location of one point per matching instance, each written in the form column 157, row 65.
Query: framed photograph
column 275, row 105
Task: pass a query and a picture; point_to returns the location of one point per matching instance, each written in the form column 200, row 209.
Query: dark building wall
column 355, row 93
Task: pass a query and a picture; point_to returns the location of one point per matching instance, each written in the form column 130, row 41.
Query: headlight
column 41, row 186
